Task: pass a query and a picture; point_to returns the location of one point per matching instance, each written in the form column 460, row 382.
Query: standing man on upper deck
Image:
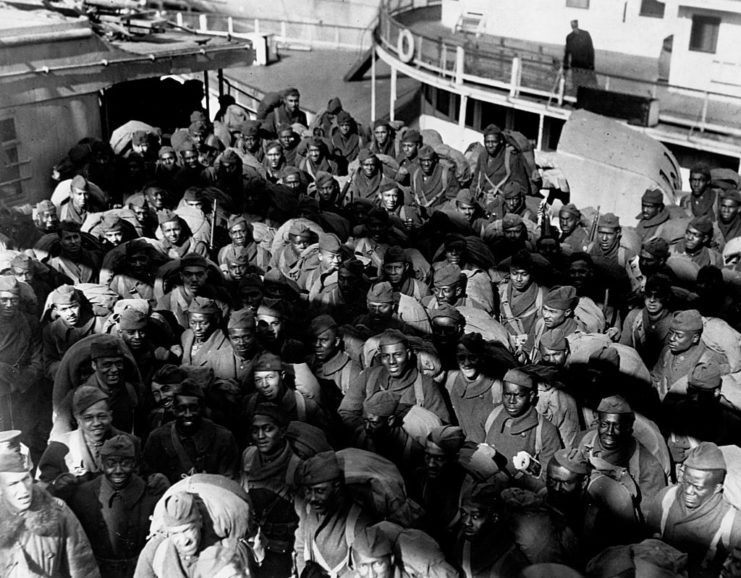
column 579, row 56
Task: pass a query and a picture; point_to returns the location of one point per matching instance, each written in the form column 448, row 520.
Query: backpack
column 377, row 483
column 454, row 160
column 525, row 147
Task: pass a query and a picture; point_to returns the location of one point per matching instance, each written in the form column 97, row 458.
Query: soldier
column 702, row 200
column 729, row 221
column 683, row 351
column 114, row 509
column 496, row 165
column 574, row 236
column 328, row 520
column 520, row 298
column 695, row 516
column 39, row 535
column 516, row 427
column 608, row 245
column 432, row 184
column 398, row 374
column 559, row 305
column 74, row 262
column 268, row 471
column 204, row 342
column 334, row 368
column 191, row 443
column 696, row 244
column 653, row 216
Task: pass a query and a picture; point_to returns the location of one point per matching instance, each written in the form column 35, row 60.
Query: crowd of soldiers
column 404, row 365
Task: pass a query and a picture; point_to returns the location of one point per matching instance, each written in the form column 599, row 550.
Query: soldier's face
column 70, row 313
column 694, row 239
column 114, row 237
column 266, row 434
column 201, row 324
column 382, row 134
column 395, row 358
column 118, row 470
column 409, row 149
column 649, row 210
column 269, row 328
column 326, row 344
column 554, row 317
column 698, row 183
column 681, row 341
column 394, row 272
column 186, row 538
column 614, row 430
column 390, row 199
column 553, row 357
column 517, row 398
column 95, row 422
column 321, row 496
column 49, row 220
column 269, row 384
column 698, row 486
column 188, row 410
column 315, row 154
column 473, row 519
column 71, row 242
column 109, row 370
column 520, row 278
column 728, row 210
column 468, row 362
column 373, row 566
column 292, row 102
column 369, row 167
column 567, row 222
column 171, row 231
column 607, row 237
column 16, row 489
column 492, row 142
column 435, row 460
column 163, row 394
column 243, row 340
column 466, row 210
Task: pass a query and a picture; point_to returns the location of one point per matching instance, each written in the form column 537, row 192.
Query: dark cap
column 85, row 396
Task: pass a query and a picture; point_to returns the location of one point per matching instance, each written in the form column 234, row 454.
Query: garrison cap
column 511, row 221
column 323, row 178
column 609, row 221
column 121, row 445
column 372, row 543
column 394, row 254
column 448, row 438
column 65, row 295
column 193, row 260
column 426, row 152
column 366, row 154
column 554, row 340
column 268, row 362
column 657, row 247
column 392, row 337
column 197, row 126
column 381, row 122
column 614, row 404
column 412, row 136
column 381, row 293
column 111, row 223
column 322, row 323
column 705, row 375
column 344, row 117
column 165, row 150
column 492, row 129
column 388, row 186
column 573, row 460
column 85, row 396
column 44, row 206
column 236, row 255
column 249, row 128
column 167, row 216
column 330, row 242
column 322, row 467
column 652, row 197
column 132, row 319
column 571, row 209
column 204, row 306
column 193, row 194
column 242, row 319
column 519, row 377
column 522, row 259
column 271, row 308
column 474, row 342
column 105, row 349
column 272, row 411
column 513, row 189
column 292, row 91
column 274, row 145
column 190, row 387
column 562, row 297
column 705, row 456
column 80, row 183
column 180, row 508
column 703, row 224
column 198, row 115
column 382, row 404
column 10, row 284
column 448, row 274
column 299, row 228
column 731, row 194
column 689, row 320
column 465, row 197
column 235, row 220
column 446, row 310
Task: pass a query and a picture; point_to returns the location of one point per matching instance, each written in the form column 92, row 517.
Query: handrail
column 538, row 75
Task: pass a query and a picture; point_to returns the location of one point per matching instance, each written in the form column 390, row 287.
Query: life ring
column 405, row 46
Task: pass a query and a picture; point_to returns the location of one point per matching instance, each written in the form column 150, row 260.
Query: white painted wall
column 719, row 72
column 615, row 25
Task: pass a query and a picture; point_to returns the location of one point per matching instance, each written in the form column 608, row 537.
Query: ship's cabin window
column 652, row 8
column 10, row 172
column 704, row 33
column 577, row 4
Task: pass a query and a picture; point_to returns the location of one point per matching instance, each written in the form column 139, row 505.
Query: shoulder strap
column 158, row 562
column 351, row 523
column 621, row 256
column 666, row 504
column 300, row 406
column 444, row 178
column 419, row 392
column 539, row 436
column 722, row 536
column 490, row 420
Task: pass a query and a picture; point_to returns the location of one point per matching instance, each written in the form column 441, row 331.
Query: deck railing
column 523, row 72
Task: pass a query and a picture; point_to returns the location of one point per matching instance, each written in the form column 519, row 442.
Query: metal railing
column 522, row 72
column 289, row 34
